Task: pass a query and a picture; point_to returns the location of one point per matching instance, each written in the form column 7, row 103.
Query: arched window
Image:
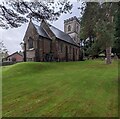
column 69, row 28
column 76, row 52
column 30, row 43
column 61, row 47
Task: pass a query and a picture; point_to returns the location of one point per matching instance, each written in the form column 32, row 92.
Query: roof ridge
column 61, row 31
column 45, row 31
column 58, row 29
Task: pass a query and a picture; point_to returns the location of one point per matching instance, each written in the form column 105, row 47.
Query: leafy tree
column 102, row 27
column 117, row 33
column 14, row 13
column 105, row 28
column 105, row 37
column 88, row 20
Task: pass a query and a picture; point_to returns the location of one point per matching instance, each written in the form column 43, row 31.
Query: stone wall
column 30, row 54
column 68, row 52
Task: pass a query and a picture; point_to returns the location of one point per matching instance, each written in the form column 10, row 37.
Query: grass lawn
column 65, row 89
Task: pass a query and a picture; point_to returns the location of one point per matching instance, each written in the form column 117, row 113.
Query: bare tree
column 3, row 50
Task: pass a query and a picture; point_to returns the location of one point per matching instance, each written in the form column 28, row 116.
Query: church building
column 45, row 42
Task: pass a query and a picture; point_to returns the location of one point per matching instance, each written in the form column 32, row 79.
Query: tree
column 14, row 13
column 102, row 27
column 117, row 32
column 105, row 28
column 104, row 36
column 3, row 51
column 88, row 22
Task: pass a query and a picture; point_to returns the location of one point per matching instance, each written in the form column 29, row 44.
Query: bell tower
column 72, row 28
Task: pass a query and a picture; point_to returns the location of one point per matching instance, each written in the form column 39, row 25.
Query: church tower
column 72, row 27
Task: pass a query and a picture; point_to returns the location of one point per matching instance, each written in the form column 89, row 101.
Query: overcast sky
column 13, row 37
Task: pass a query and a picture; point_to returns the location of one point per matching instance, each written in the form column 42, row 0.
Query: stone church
column 45, row 42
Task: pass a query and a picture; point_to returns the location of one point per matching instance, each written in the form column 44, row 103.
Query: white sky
column 14, row 36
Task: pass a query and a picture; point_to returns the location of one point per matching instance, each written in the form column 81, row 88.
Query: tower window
column 69, row 28
column 30, row 43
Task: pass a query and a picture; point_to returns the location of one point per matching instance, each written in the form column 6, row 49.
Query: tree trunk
column 108, row 55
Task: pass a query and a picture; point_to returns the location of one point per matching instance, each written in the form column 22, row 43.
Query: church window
column 76, row 51
column 69, row 28
column 30, row 43
column 70, row 49
column 61, row 47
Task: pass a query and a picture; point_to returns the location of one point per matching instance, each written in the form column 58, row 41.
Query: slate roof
column 41, row 31
column 62, row 35
column 58, row 33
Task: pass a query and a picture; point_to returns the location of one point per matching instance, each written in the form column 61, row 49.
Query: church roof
column 41, row 31
column 58, row 33
column 62, row 35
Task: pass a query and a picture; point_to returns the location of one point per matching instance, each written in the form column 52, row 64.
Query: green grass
column 65, row 89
